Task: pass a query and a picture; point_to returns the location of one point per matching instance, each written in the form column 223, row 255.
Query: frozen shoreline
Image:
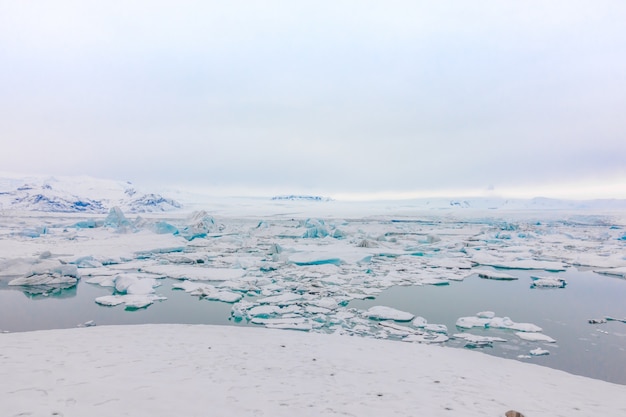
column 198, row 370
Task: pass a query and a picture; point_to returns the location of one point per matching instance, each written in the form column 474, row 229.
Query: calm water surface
column 598, row 351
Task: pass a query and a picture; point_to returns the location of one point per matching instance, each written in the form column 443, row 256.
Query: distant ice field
column 517, row 284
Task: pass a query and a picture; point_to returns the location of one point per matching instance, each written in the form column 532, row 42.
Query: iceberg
column 116, row 219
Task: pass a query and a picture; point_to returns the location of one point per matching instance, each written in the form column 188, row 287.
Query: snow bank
column 165, row 370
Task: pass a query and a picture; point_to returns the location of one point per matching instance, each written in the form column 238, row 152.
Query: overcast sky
column 332, row 97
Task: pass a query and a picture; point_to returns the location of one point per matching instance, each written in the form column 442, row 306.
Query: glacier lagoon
column 594, row 350
column 341, row 274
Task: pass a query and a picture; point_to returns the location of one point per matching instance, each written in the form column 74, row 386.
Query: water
column 20, row 311
column 597, row 351
column 563, row 314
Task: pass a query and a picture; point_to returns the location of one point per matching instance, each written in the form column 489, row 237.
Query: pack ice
column 283, row 265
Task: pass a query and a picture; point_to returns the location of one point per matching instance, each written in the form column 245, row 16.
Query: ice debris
column 132, row 301
column 388, row 313
column 539, row 352
column 501, row 276
column 535, row 337
column 475, row 341
column 496, row 323
column 117, row 220
column 547, row 282
column 208, row 292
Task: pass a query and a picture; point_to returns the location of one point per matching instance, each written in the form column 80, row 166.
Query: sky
column 341, row 98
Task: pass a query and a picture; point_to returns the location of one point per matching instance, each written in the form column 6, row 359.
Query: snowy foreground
column 185, row 370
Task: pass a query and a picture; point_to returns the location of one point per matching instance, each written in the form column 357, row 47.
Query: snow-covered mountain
column 78, row 195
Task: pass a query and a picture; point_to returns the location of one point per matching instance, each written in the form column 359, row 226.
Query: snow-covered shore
column 185, row 370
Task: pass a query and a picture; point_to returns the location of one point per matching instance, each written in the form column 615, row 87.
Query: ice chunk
column 419, row 321
column 208, row 292
column 281, row 299
column 486, row 314
column 103, row 281
column 116, row 219
column 469, row 322
column 294, row 323
column 616, row 272
column 426, row 338
column 539, row 352
column 200, row 224
column 535, row 337
column 476, row 338
column 196, row 273
column 524, row 264
column 501, row 276
column 44, row 280
column 496, row 323
column 388, row 313
column 507, row 323
column 436, row 328
column 264, row 311
column 224, row 296
column 132, row 284
column 164, row 228
column 547, row 282
column 132, row 301
column 397, row 329
column 315, row 229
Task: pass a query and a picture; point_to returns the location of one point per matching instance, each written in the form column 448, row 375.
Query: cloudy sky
column 342, row 98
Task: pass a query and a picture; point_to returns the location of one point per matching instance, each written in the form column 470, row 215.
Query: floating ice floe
column 281, row 299
column 619, row 272
column 495, row 275
column 388, row 313
column 523, row 264
column 135, row 284
column 614, row 319
column 132, row 301
column 208, row 292
column 535, row 337
column 477, row 342
column 547, row 282
column 45, row 279
column 196, row 273
column 539, row 352
column 496, row 323
column 426, row 338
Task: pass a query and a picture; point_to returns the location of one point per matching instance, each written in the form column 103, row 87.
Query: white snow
column 166, row 370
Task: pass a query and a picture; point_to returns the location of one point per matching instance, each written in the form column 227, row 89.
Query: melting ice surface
column 471, row 282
